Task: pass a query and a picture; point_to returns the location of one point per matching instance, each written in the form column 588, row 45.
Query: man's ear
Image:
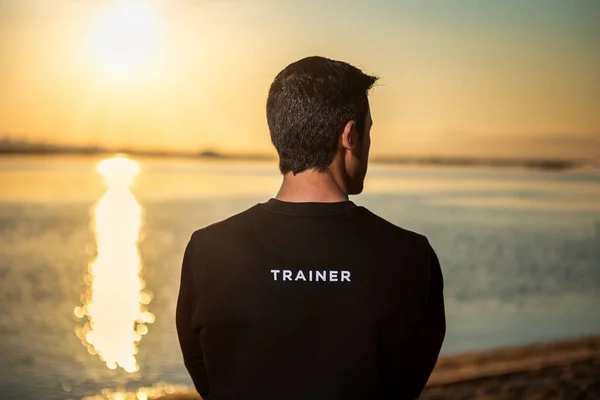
column 348, row 137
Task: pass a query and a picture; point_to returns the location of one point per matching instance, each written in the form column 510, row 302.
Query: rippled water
column 520, row 251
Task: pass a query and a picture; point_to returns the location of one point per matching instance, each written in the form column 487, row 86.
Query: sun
column 124, row 37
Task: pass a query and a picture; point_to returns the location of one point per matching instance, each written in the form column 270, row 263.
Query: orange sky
column 506, row 79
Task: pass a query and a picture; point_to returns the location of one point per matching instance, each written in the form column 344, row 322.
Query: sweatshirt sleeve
column 189, row 339
column 429, row 341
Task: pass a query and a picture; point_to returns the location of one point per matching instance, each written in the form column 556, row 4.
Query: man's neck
column 312, row 186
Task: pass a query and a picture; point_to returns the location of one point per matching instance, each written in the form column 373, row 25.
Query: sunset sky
column 470, row 78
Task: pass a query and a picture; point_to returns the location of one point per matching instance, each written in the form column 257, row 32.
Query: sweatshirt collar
column 288, row 207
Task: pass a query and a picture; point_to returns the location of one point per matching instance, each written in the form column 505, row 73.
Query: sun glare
column 124, row 37
column 118, row 172
column 115, row 304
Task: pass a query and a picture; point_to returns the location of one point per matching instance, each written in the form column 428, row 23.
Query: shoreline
column 517, row 359
column 566, row 369
column 539, row 163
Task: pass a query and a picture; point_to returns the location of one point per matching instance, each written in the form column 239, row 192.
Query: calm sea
column 89, row 267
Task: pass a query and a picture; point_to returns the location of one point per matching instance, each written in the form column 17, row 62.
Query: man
column 307, row 295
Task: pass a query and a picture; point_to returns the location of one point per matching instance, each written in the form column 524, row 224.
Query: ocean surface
column 89, row 266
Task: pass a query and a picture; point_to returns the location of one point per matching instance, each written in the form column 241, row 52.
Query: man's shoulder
column 224, row 228
column 380, row 226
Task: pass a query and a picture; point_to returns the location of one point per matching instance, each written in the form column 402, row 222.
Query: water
column 520, row 252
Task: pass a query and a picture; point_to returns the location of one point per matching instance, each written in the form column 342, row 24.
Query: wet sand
column 567, row 370
column 555, row 370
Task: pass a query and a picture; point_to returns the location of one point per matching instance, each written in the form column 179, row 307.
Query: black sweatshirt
column 309, row 301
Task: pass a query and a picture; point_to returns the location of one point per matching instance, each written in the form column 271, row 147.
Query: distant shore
column 554, row 370
column 538, row 164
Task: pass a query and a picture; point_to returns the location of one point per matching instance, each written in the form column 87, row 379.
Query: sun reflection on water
column 157, row 390
column 114, row 306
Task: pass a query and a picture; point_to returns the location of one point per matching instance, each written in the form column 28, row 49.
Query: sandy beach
column 555, row 370
column 568, row 370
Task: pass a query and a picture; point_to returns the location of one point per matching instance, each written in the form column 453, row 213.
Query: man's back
column 309, row 301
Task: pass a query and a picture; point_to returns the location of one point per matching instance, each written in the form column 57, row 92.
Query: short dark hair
column 309, row 104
